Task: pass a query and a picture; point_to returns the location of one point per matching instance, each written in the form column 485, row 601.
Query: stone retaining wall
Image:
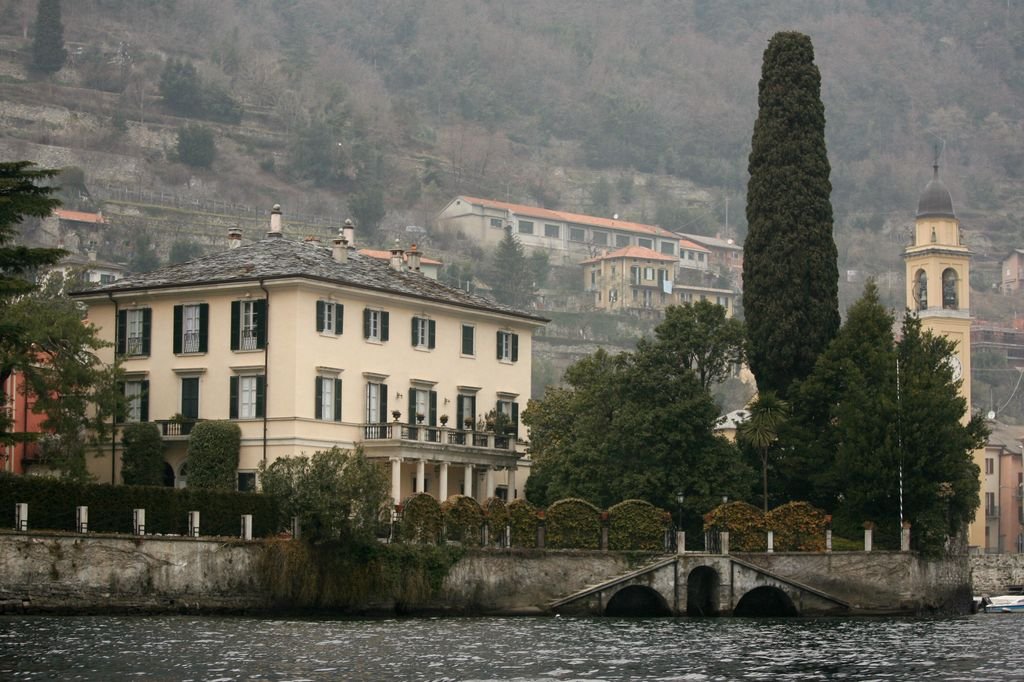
column 994, row 574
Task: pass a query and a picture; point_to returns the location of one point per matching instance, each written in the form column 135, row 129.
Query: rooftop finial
column 940, row 146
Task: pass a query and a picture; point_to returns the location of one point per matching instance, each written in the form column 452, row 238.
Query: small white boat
column 1009, row 603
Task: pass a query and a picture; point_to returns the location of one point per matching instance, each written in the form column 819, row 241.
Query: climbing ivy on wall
column 573, row 523
column 798, row 527
column 463, row 520
column 636, row 525
column 496, row 515
column 745, row 524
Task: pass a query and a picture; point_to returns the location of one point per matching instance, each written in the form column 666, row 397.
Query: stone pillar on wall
column 467, row 480
column 396, row 480
column 489, row 487
column 512, row 484
column 442, row 484
column 421, row 475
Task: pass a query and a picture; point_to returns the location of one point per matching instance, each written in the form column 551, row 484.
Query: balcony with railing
column 133, row 345
column 378, row 435
column 190, row 342
column 248, row 339
column 174, row 429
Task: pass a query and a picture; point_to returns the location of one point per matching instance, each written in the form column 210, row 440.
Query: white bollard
column 247, row 526
column 724, row 536
column 680, row 542
column 81, row 519
column 905, row 537
column 867, row 539
column 138, row 521
column 771, row 541
column 296, row 528
column 21, row 516
column 193, row 524
column 828, row 540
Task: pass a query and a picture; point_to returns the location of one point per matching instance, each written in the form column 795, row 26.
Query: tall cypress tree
column 790, row 271
column 48, row 53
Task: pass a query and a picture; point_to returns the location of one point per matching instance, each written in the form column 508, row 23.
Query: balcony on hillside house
column 175, row 429
column 439, row 443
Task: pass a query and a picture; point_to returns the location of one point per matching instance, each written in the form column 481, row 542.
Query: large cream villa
column 307, row 347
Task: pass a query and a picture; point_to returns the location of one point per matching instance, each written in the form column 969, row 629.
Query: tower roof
column 935, row 200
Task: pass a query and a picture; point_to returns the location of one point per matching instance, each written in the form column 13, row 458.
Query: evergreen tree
column 511, row 276
column 48, row 53
column 703, row 339
column 196, row 147
column 181, row 88
column 142, row 454
column 790, row 272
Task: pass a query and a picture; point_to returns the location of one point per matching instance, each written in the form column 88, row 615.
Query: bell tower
column 938, row 292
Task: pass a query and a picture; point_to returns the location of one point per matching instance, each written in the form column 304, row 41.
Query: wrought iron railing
column 190, row 342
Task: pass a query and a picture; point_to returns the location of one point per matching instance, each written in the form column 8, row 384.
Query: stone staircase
column 653, row 565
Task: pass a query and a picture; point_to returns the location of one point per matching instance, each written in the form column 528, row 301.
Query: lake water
column 980, row 647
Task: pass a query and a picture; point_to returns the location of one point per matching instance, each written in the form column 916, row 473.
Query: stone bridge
column 776, row 584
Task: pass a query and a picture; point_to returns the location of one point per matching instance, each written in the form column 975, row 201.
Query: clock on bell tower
column 938, row 292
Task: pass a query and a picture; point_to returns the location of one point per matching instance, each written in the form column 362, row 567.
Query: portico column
column 489, row 486
column 396, row 480
column 511, row 483
column 468, row 481
column 421, row 475
column 442, row 487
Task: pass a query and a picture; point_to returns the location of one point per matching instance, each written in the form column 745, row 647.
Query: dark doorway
column 702, row 592
column 168, row 475
column 637, row 601
column 766, row 602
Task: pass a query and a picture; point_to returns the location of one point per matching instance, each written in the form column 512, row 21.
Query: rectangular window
column 700, row 257
column 423, row 403
column 648, row 274
column 577, row 234
column 465, row 412
column 990, row 504
column 246, row 481
column 190, row 397
column 553, row 231
column 496, row 222
column 600, row 238
column 668, row 248
column 136, row 396
column 511, row 410
column 634, row 274
column 248, row 397
column 376, row 403
column 133, row 331
column 249, row 324
column 423, row 332
column 190, row 328
column 328, row 398
column 989, row 465
column 330, row 317
column 468, row 340
column 525, row 227
column 508, row 347
column 621, row 240
column 645, row 242
column 375, row 325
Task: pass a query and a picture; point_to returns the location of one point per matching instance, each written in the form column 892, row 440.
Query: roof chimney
column 275, row 221
column 349, row 232
column 234, row 238
column 397, row 255
column 414, row 258
column 339, row 249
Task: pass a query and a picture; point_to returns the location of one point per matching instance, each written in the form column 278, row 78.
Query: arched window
column 950, row 299
column 921, row 290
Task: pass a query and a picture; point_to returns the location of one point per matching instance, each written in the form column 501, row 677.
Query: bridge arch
column 765, row 602
column 702, row 587
column 637, row 601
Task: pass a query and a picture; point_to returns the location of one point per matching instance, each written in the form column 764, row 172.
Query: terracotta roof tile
column 565, row 216
column 633, row 252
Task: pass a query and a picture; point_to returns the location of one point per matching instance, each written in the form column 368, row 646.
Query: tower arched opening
column 950, row 291
column 921, row 290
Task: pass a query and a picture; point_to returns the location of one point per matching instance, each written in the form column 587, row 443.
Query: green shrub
column 142, row 456
column 463, row 519
column 745, row 524
column 636, row 525
column 52, row 505
column 523, row 520
column 421, row 519
column 496, row 515
column 213, row 449
column 573, row 523
column 798, row 527
column 195, row 146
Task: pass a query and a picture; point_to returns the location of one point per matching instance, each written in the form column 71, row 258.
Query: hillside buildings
column 1002, row 490
column 307, row 347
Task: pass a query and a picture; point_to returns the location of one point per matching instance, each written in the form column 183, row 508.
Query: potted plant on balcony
column 396, row 414
column 444, row 420
column 419, row 418
column 469, row 422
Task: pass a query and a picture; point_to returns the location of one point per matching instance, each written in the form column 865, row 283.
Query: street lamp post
column 680, row 498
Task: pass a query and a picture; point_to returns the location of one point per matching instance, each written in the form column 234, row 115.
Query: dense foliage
column 703, row 339
column 637, row 525
column 497, row 518
column 48, row 52
column 142, row 454
column 51, row 504
column 463, row 520
column 513, row 282
column 422, row 521
column 790, row 270
column 572, row 524
column 196, row 146
column 745, row 523
column 336, row 494
column 213, row 449
column 798, row 527
column 523, row 520
column 874, row 406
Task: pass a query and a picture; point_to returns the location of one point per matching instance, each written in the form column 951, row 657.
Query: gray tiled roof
column 276, row 258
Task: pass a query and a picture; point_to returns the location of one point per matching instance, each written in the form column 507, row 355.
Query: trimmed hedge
column 142, row 458
column 213, row 449
column 463, row 520
column 523, row 519
column 799, row 527
column 421, row 519
column 52, row 501
column 636, row 525
column 497, row 518
column 745, row 523
column 573, row 524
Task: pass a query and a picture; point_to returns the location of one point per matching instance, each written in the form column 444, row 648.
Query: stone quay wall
column 995, row 574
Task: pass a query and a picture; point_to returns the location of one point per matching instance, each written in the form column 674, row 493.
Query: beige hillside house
column 307, row 347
